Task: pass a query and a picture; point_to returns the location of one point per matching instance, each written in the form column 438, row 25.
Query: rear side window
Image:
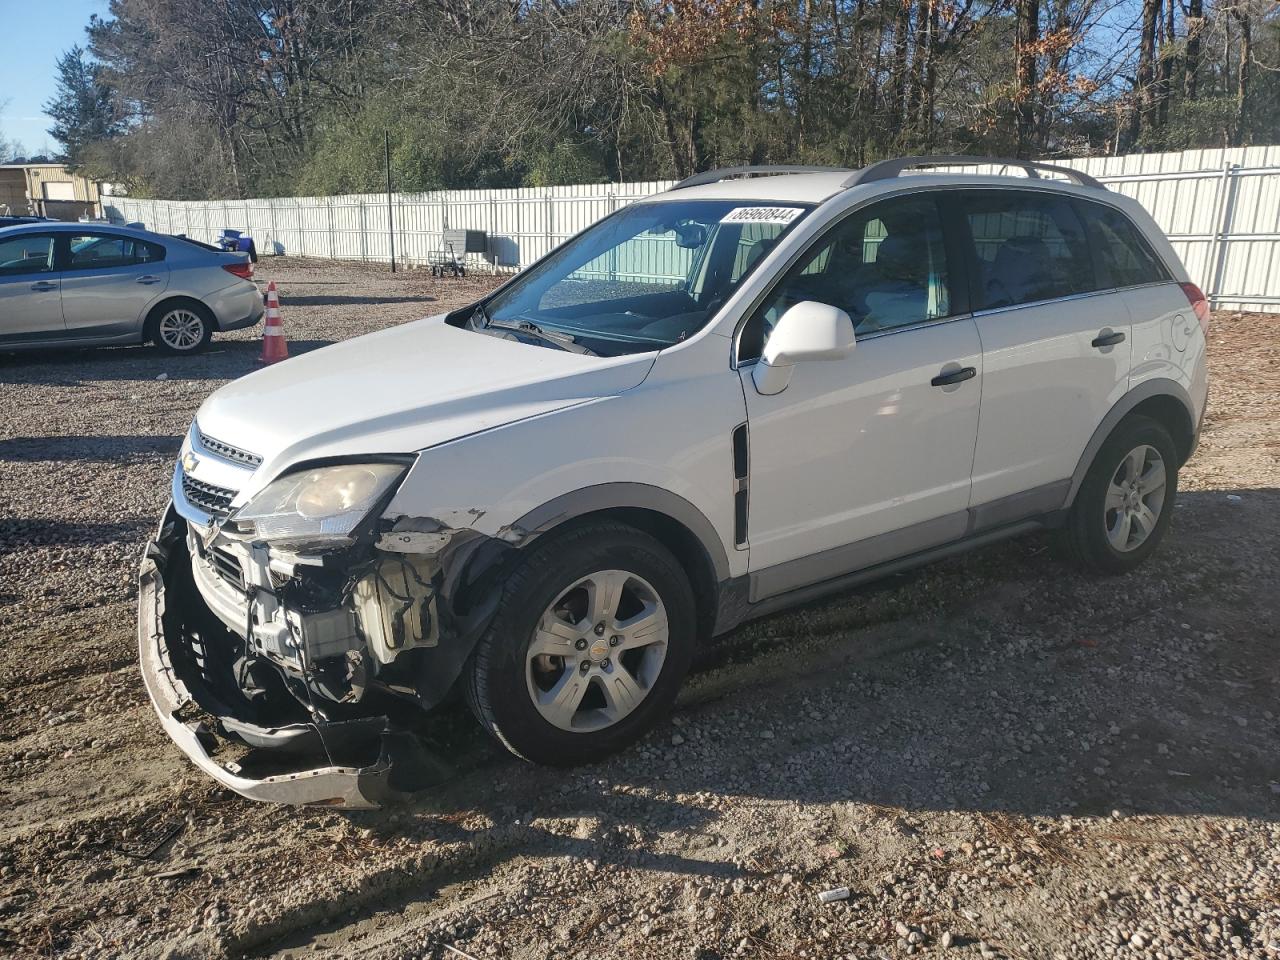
column 1029, row 247
column 29, row 253
column 1124, row 257
column 99, row 251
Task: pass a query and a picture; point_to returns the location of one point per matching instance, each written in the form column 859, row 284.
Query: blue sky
column 34, row 35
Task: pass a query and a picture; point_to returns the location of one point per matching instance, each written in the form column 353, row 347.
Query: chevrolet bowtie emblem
column 189, row 461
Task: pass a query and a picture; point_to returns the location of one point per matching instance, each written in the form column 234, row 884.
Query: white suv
column 761, row 386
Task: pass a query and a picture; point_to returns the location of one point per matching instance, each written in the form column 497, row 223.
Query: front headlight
column 317, row 508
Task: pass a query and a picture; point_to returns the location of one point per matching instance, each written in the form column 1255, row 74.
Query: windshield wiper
column 562, row 340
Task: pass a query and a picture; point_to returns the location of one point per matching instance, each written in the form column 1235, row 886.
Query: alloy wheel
column 1135, row 498
column 597, row 651
column 181, row 329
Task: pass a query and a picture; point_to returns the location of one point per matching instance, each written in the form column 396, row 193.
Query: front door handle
column 44, row 286
column 954, row 376
column 1108, row 339
column 148, row 279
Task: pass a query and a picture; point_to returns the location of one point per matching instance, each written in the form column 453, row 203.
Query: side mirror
column 808, row 331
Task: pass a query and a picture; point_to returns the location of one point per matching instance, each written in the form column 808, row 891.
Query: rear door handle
column 1108, row 339
column 954, row 376
column 148, row 279
column 44, row 286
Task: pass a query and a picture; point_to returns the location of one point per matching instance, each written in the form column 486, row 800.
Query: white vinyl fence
column 1221, row 209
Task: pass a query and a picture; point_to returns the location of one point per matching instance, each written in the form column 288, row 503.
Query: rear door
column 1056, row 346
column 30, row 294
column 1161, row 315
column 109, row 283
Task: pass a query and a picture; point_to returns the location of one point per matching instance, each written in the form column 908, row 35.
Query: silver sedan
column 78, row 284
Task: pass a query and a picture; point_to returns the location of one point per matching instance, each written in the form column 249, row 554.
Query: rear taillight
column 242, row 269
column 1199, row 304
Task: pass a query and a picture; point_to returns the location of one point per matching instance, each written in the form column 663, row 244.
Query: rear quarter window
column 1121, row 253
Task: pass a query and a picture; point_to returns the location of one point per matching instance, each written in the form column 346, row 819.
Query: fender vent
column 741, row 498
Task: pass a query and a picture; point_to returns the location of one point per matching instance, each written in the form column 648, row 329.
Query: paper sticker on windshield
column 783, row 215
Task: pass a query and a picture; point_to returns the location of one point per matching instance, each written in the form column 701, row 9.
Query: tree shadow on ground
column 1001, row 681
column 224, row 360
column 338, row 301
column 112, row 448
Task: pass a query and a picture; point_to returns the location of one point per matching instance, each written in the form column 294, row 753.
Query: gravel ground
column 995, row 756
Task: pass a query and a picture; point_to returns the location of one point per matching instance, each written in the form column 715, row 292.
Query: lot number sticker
column 782, row 215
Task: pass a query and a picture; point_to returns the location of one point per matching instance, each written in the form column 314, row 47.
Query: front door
column 30, row 289
column 1056, row 345
column 109, row 282
column 864, row 459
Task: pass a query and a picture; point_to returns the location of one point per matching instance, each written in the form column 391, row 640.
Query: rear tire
column 561, row 677
column 180, row 327
column 1125, row 504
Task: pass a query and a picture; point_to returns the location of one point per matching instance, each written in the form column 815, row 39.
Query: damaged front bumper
column 358, row 762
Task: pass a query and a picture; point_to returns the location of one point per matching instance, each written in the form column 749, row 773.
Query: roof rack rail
column 889, row 169
column 729, row 173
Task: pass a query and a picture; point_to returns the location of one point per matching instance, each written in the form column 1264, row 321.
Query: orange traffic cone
column 273, row 343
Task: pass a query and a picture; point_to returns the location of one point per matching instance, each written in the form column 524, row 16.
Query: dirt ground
column 996, row 755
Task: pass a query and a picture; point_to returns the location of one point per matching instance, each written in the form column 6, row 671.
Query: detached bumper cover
column 344, row 786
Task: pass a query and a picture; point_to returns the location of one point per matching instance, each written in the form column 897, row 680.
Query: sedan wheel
column 181, row 328
column 597, row 651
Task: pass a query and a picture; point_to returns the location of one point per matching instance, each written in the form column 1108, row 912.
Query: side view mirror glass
column 808, row 331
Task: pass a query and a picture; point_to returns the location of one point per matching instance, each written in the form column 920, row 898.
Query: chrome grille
column 215, row 501
column 227, row 452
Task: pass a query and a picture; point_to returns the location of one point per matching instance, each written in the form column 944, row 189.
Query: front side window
column 1030, row 247
column 884, row 265
column 1124, row 258
column 99, row 251
column 28, row 253
column 647, row 277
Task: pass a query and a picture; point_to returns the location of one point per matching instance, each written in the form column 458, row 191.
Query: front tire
column 592, row 637
column 1125, row 504
column 180, row 327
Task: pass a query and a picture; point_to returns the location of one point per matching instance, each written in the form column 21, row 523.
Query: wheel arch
column 168, row 300
column 475, row 571
column 1163, row 400
column 669, row 518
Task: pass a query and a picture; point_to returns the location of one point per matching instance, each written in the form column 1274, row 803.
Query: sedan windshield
column 645, row 278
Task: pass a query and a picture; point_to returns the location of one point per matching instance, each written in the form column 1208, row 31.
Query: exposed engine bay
column 326, row 631
column 325, row 660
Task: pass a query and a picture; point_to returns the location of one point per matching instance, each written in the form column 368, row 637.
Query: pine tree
column 83, row 109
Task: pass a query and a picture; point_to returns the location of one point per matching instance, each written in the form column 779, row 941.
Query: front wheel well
column 676, row 537
column 1170, row 413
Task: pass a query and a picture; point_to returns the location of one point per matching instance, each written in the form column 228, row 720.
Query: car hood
column 403, row 389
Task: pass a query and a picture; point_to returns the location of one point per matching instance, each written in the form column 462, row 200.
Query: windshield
column 645, row 278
